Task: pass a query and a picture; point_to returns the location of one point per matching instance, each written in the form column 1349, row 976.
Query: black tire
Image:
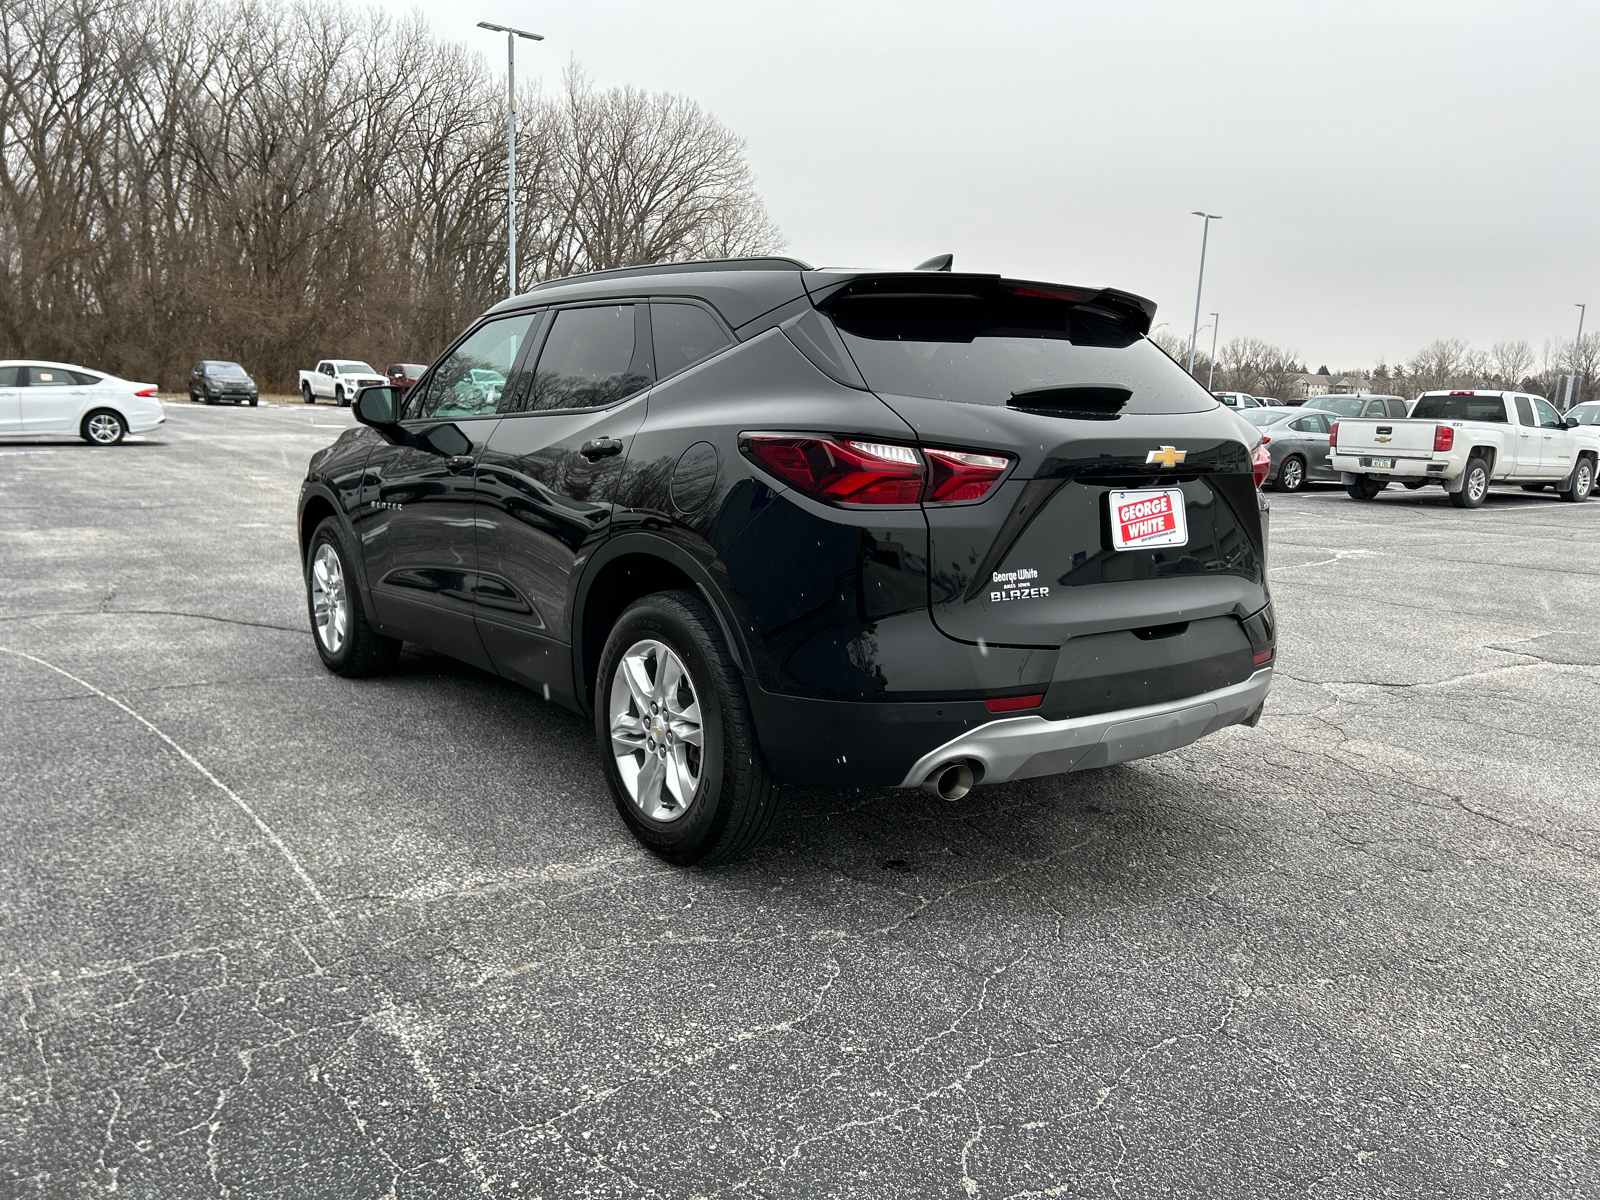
column 1580, row 483
column 735, row 797
column 1474, row 485
column 338, row 398
column 1291, row 475
column 210, row 399
column 307, row 393
column 254, row 401
column 1365, row 489
column 363, row 650
column 193, row 399
column 102, row 427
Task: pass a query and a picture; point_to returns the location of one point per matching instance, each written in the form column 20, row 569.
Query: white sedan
column 52, row 400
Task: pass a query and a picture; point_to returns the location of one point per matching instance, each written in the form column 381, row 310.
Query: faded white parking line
column 194, row 762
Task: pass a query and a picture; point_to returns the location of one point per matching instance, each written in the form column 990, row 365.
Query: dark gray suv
column 767, row 524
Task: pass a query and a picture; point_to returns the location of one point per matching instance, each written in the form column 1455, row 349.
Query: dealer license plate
column 1383, row 464
column 1148, row 517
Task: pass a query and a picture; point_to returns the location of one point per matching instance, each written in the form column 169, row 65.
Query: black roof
column 742, row 289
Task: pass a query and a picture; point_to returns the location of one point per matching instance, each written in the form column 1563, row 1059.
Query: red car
column 403, row 375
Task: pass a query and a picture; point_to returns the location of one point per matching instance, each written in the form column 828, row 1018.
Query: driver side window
column 471, row 379
column 1549, row 418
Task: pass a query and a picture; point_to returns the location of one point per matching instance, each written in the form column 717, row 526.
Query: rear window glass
column 1461, row 408
column 1261, row 417
column 980, row 343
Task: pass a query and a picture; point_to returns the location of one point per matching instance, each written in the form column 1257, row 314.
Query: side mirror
column 1572, row 422
column 377, row 406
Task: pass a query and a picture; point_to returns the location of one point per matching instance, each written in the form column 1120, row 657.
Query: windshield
column 1587, row 414
column 999, row 344
column 1345, row 406
column 1461, row 406
column 354, row 368
column 1262, row 417
column 229, row 370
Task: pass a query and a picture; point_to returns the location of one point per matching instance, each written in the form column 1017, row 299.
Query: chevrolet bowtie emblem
column 1167, row 456
column 1381, row 438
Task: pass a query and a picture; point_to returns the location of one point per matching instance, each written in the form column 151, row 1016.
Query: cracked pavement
column 272, row 933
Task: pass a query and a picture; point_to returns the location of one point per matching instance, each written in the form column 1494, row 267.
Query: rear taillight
column 1261, row 464
column 852, row 472
column 1444, row 437
column 962, row 475
column 1333, row 436
column 148, row 393
column 1265, row 440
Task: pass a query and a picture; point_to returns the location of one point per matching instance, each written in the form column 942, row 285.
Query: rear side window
column 979, row 342
column 1310, row 424
column 683, row 335
column 591, row 359
column 48, row 377
column 1525, row 412
column 1397, row 408
column 1462, row 407
column 471, row 379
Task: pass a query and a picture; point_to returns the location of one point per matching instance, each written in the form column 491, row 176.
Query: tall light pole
column 1212, row 373
column 1577, row 348
column 1205, row 232
column 511, row 138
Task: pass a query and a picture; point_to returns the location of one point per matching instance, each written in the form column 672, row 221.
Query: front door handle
column 458, row 463
column 600, row 448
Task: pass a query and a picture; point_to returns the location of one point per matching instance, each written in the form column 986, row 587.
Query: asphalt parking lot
column 268, row 932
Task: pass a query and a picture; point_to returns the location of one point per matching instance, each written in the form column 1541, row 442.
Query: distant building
column 1303, row 387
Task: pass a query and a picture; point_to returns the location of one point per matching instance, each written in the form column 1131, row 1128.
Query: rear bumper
column 1407, row 468
column 1025, row 747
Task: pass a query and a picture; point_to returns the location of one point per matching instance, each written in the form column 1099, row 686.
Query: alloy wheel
column 105, row 428
column 330, row 601
column 1293, row 475
column 1584, row 483
column 1477, row 485
column 656, row 732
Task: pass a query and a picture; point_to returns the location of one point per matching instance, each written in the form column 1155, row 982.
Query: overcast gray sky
column 1388, row 173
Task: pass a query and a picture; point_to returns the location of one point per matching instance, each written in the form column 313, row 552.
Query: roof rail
column 759, row 263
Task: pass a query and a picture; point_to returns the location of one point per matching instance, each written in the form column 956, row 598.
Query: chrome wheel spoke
column 655, row 729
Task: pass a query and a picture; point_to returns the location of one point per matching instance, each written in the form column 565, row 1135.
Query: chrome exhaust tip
column 951, row 781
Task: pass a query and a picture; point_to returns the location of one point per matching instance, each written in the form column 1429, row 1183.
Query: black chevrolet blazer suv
column 768, row 524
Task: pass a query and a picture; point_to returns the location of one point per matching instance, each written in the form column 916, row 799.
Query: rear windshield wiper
column 1085, row 403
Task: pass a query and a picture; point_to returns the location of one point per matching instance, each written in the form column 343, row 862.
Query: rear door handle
column 600, row 448
column 458, row 463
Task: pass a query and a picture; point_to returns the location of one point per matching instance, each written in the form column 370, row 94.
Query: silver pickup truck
column 1464, row 441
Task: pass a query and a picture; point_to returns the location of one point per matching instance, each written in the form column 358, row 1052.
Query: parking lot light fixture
column 1212, row 373
column 511, row 140
column 1205, row 232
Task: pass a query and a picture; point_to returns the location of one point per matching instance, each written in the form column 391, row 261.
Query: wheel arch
column 625, row 568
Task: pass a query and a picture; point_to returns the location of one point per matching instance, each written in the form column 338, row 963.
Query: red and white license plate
column 1148, row 517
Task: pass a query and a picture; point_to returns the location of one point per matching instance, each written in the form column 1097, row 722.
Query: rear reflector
column 848, row 472
column 1264, row 656
column 147, row 393
column 1013, row 703
column 1444, row 437
column 1261, row 464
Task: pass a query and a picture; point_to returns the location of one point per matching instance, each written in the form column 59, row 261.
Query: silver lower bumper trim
column 1025, row 747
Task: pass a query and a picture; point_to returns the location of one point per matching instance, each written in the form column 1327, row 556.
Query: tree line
column 273, row 184
column 1248, row 364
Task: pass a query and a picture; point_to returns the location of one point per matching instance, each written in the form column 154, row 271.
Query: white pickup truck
column 337, row 379
column 1465, row 441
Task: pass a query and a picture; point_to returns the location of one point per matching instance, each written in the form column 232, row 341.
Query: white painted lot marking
column 194, row 762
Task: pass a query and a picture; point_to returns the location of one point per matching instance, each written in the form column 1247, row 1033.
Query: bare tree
column 273, row 183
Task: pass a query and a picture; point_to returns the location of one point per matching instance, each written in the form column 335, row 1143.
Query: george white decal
column 1017, row 586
